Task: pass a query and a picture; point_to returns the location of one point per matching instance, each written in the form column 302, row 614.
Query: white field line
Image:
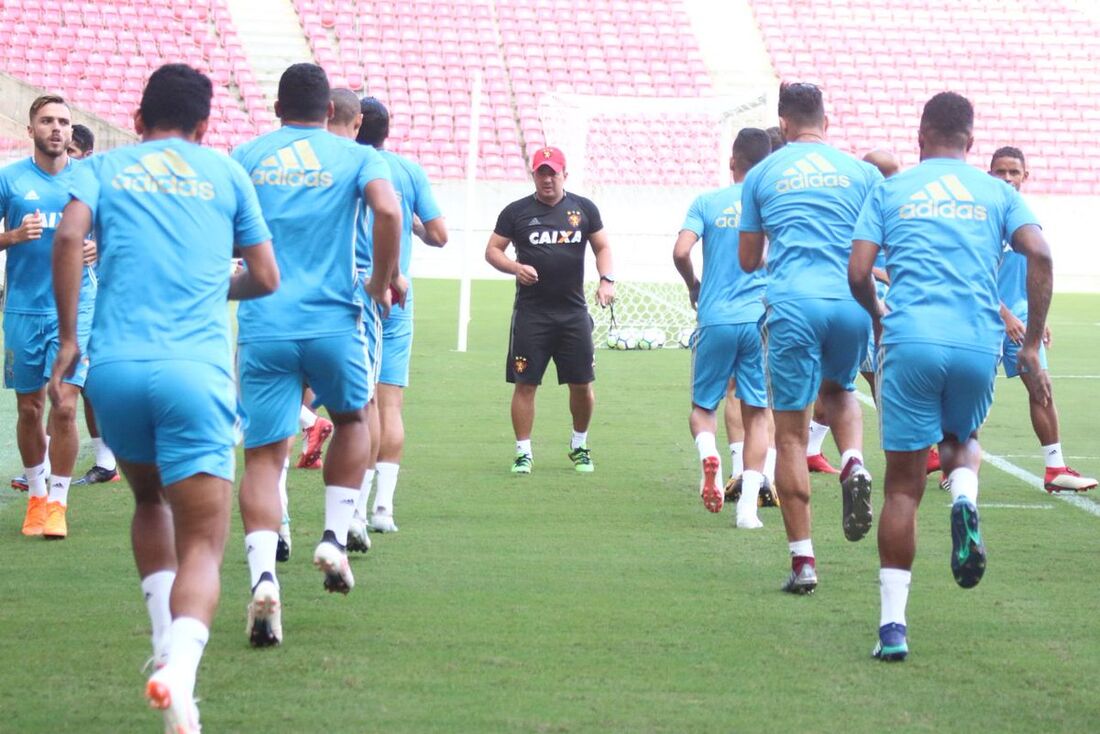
column 999, row 462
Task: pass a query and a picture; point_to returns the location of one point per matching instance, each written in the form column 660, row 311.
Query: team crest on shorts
column 520, row 365
column 574, row 218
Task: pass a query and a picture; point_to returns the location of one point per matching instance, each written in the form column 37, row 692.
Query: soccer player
column 82, row 144
column 1008, row 164
column 166, row 214
column 420, row 215
column 726, row 343
column 550, row 317
column 310, row 184
column 33, row 193
column 942, row 225
column 805, row 199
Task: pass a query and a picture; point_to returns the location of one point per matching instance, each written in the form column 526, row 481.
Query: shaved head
column 884, row 161
column 347, row 106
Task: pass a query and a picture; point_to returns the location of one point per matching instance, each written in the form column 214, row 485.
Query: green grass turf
column 568, row 603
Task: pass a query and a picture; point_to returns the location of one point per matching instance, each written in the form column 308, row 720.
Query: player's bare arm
column 861, row 281
column 751, row 251
column 260, row 278
column 29, row 229
column 387, row 245
column 432, row 233
column 1029, row 241
column 496, row 255
column 68, row 271
column 601, row 248
column 681, row 258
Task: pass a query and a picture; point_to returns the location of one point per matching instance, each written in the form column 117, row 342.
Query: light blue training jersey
column 167, row 214
column 727, row 294
column 1012, row 282
column 310, row 185
column 25, row 189
column 413, row 190
column 806, row 198
column 942, row 225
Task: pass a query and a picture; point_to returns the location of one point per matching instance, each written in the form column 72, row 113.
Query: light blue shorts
column 1011, row 350
column 177, row 414
column 723, row 351
column 808, row 340
column 271, row 376
column 931, row 391
column 390, row 361
column 30, row 348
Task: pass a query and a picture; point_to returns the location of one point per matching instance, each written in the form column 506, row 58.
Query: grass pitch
column 561, row 602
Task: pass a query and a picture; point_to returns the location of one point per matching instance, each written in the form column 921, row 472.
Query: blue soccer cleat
column 891, row 646
column 967, row 550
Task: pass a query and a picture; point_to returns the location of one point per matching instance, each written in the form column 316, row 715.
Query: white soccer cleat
column 181, row 715
column 265, row 614
column 358, row 538
column 748, row 521
column 331, row 560
column 381, row 521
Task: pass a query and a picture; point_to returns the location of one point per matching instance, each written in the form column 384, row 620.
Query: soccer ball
column 684, row 337
column 651, row 338
column 622, row 339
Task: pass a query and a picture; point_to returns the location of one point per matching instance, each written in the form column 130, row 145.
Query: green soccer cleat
column 582, row 459
column 522, row 464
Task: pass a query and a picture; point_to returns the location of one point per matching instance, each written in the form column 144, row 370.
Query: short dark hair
column 83, row 138
column 345, row 105
column 948, row 118
column 176, row 97
column 776, row 138
column 752, row 145
column 1008, row 151
column 376, row 122
column 801, row 103
column 44, row 100
column 304, row 93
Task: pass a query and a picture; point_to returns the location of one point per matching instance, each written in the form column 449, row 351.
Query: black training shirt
column 552, row 240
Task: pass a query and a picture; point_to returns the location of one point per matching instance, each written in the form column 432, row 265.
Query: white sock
column 104, row 457
column 801, row 547
column 850, row 454
column 769, row 466
column 893, row 589
column 46, row 459
column 157, row 589
column 580, row 438
column 306, row 418
column 36, row 479
column 187, row 638
column 524, row 447
column 339, row 507
column 818, row 431
column 59, row 490
column 1053, row 454
column 964, row 485
column 387, row 483
column 284, row 500
column 364, row 493
column 259, row 549
column 737, row 458
column 706, row 445
column 751, row 481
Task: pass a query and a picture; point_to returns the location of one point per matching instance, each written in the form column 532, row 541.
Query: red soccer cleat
column 712, row 494
column 820, row 465
column 933, row 461
column 1064, row 479
column 315, row 437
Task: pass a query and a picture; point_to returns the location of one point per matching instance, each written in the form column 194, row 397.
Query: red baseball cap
column 548, row 157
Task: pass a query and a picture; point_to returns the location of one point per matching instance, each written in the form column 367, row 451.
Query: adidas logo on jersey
column 812, row 172
column 534, row 222
column 31, row 195
column 163, row 172
column 944, row 198
column 731, row 217
column 295, row 165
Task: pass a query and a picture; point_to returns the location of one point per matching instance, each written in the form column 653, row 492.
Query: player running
column 1008, row 164
column 420, row 215
column 805, row 197
column 310, row 184
column 33, row 193
column 726, row 343
column 166, row 213
column 942, row 225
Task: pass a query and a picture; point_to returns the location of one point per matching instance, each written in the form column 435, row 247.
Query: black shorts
column 538, row 336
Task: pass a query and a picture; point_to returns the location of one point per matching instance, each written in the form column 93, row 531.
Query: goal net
column 642, row 161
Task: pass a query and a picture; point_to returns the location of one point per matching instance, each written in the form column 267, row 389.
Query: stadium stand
column 879, row 60
column 99, row 54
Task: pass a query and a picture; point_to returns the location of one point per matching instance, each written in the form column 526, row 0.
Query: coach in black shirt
column 550, row 318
